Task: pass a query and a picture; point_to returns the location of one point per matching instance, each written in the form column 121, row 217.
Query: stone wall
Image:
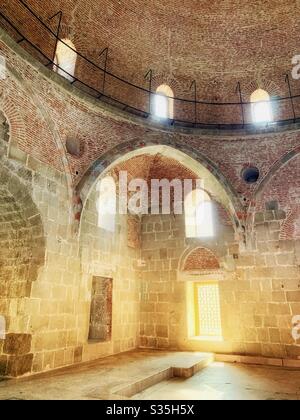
column 48, row 294
column 107, row 254
column 165, row 253
column 47, row 272
column 259, row 287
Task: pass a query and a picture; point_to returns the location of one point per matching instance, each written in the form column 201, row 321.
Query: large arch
column 115, row 256
column 186, row 155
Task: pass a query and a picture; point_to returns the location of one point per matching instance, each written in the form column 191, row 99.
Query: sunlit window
column 163, row 103
column 207, row 310
column 65, row 59
column 199, row 220
column 107, row 204
column 261, row 107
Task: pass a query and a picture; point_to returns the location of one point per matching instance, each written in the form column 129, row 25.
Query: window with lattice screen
column 207, row 310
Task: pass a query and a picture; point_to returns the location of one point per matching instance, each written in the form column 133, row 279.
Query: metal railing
column 29, row 30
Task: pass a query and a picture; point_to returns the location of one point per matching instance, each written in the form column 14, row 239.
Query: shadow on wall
column 22, row 253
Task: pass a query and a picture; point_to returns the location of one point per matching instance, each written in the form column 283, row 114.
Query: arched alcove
column 201, row 259
column 145, row 255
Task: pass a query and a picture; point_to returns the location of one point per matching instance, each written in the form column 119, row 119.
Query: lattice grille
column 208, row 310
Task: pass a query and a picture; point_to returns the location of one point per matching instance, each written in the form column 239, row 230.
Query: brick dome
column 215, row 43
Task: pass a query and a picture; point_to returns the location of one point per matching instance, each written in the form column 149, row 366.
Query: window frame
column 165, row 91
column 197, row 311
column 261, row 97
column 188, row 216
column 65, row 69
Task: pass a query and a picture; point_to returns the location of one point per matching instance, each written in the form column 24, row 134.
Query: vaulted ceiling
column 216, row 43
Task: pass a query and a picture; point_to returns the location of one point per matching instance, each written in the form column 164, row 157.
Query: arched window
column 199, row 220
column 65, row 59
column 107, row 204
column 261, row 107
column 163, row 106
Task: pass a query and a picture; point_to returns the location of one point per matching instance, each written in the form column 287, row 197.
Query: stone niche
column 101, row 310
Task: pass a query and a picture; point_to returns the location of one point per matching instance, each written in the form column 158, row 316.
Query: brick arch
column 289, row 230
column 277, row 166
column 125, row 149
column 166, row 79
column 280, row 164
column 273, row 88
column 14, row 120
column 201, row 259
column 18, row 128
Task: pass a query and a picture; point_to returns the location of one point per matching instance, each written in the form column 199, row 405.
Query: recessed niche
column 251, row 175
column 74, row 147
column 101, row 310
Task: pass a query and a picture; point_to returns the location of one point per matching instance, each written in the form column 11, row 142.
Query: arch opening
column 65, row 59
column 261, row 107
column 144, row 249
column 199, row 219
column 163, row 102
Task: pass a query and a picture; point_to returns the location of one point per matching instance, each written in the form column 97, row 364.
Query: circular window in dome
column 250, row 175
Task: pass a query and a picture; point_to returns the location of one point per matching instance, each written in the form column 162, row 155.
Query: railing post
column 150, row 75
column 194, row 84
column 239, row 91
column 60, row 14
column 105, row 52
column 287, row 80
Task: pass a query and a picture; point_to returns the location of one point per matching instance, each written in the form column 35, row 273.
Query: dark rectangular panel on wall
column 101, row 309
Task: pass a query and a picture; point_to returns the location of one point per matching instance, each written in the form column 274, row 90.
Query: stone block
column 293, row 296
column 19, row 365
column 17, row 344
column 162, row 331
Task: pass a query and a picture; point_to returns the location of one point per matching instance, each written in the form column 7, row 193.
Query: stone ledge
column 260, row 361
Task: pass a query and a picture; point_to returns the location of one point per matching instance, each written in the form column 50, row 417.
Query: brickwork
column 177, row 46
column 201, row 259
column 44, row 189
column 60, row 111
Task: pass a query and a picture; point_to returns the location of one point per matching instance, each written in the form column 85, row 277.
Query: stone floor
column 135, row 371
column 115, row 377
column 222, row 381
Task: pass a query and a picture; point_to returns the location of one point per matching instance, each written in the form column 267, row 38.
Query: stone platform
column 115, row 377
